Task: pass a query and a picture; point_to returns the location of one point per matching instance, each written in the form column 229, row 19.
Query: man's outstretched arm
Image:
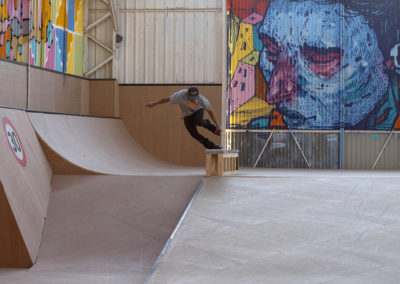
column 214, row 118
column 160, row 101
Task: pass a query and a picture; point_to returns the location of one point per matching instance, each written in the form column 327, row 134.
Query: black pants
column 196, row 119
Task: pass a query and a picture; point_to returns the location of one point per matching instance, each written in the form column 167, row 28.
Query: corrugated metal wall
column 170, row 41
column 362, row 150
column 285, row 149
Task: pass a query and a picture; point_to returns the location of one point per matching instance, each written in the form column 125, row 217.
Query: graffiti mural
column 56, row 37
column 313, row 64
column 14, row 25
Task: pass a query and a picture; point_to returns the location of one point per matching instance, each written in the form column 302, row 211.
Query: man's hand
column 151, row 104
column 160, row 101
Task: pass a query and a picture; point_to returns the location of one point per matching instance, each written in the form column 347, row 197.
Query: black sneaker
column 216, row 146
column 218, row 133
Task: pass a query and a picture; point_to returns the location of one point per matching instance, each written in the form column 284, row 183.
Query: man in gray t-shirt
column 193, row 104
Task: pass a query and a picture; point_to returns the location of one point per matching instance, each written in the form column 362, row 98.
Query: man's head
column 316, row 51
column 193, row 91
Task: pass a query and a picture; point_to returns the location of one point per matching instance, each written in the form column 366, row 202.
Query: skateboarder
column 193, row 104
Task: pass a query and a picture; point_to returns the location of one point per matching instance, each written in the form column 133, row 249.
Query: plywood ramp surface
column 106, row 229
column 101, row 145
column 25, row 176
column 317, row 228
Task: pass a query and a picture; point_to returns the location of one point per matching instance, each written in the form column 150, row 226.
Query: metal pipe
column 383, row 149
column 98, row 21
column 97, row 67
column 263, row 149
column 100, row 43
column 301, row 151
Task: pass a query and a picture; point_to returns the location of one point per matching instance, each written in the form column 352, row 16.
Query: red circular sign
column 14, row 141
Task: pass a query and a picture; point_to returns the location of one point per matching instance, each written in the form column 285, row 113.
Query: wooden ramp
column 25, row 177
column 99, row 145
column 106, row 229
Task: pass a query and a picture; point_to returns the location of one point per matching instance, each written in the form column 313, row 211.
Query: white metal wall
column 95, row 54
column 170, row 41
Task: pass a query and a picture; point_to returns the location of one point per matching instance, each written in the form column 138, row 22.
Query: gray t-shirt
column 189, row 105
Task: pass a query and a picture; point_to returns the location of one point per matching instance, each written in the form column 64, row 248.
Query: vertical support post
column 114, row 61
column 341, row 149
column 342, row 99
column 224, row 77
column 220, row 163
column 85, row 62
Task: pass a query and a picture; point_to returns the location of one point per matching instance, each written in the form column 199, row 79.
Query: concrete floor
column 289, row 226
column 262, row 226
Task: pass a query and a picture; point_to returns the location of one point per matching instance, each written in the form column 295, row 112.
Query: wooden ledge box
column 222, row 162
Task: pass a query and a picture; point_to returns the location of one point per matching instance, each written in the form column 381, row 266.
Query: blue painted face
column 314, row 53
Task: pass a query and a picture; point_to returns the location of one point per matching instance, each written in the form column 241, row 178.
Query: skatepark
column 125, row 217
column 95, row 187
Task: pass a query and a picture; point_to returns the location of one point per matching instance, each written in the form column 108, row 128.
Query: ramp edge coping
column 158, row 260
column 59, row 113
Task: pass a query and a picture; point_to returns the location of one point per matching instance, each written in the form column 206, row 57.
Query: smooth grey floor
column 289, row 226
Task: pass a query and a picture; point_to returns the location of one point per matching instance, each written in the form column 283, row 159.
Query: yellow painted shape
column 233, row 32
column 79, row 16
column 252, row 58
column 60, row 13
column 53, row 10
column 46, row 17
column 35, row 31
column 244, row 46
column 254, row 108
column 20, row 43
column 4, row 13
column 70, row 53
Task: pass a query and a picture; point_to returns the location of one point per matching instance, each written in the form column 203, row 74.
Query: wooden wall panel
column 104, row 98
column 13, row 90
column 85, row 89
column 48, row 90
column 57, row 92
column 160, row 130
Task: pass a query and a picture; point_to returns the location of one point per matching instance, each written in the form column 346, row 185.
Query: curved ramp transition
column 100, row 145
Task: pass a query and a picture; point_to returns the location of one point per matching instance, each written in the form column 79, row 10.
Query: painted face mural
column 308, row 65
column 323, row 67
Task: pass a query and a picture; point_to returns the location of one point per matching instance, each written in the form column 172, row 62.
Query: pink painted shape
column 32, row 58
column 283, row 82
column 10, row 9
column 25, row 9
column 242, row 87
column 5, row 26
column 50, row 53
column 253, row 19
